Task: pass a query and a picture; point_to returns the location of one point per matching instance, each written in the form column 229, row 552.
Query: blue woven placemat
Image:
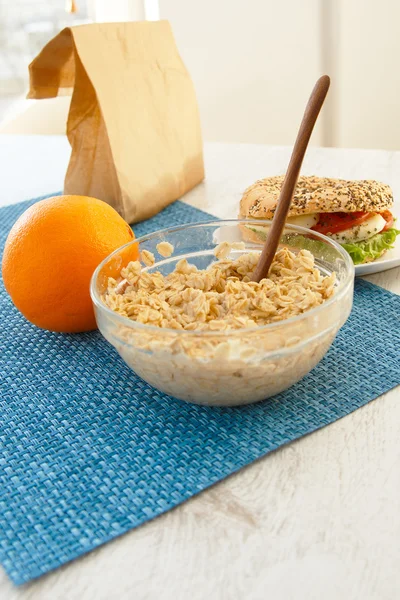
column 89, row 451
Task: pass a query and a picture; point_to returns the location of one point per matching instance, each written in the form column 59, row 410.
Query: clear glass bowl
column 227, row 368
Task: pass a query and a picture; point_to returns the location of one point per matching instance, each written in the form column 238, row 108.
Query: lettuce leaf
column 373, row 248
column 292, row 239
column 316, row 247
column 360, row 252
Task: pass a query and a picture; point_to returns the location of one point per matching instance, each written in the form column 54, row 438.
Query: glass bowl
column 226, row 368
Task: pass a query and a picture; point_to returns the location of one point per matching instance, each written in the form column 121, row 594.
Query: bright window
column 25, row 27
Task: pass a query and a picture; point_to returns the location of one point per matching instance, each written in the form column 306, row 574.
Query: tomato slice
column 387, row 215
column 340, row 221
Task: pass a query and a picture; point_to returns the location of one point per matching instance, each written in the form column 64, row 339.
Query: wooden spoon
column 311, row 113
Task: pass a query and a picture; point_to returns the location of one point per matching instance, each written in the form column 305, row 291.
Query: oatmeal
column 207, row 342
column 165, row 249
column 223, row 296
column 148, row 258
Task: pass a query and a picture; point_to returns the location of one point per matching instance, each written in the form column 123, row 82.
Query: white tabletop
column 319, row 518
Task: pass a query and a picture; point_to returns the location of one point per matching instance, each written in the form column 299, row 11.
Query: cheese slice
column 306, row 221
column 375, row 224
column 370, row 227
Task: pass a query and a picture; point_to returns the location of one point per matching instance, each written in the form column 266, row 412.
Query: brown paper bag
column 133, row 123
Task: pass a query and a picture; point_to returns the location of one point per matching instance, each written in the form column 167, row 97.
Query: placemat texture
column 89, row 451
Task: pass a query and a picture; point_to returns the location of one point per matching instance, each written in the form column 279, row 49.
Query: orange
column 50, row 255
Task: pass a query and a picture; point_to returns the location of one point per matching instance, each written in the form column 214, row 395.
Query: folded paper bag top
column 133, row 123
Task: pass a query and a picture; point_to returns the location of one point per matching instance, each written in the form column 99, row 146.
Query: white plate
column 389, row 260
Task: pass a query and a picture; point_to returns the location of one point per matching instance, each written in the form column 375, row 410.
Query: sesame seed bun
column 316, row 195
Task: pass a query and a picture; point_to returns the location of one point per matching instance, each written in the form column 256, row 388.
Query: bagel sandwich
column 356, row 214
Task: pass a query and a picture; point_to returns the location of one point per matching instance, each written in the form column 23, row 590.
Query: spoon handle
column 311, row 113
